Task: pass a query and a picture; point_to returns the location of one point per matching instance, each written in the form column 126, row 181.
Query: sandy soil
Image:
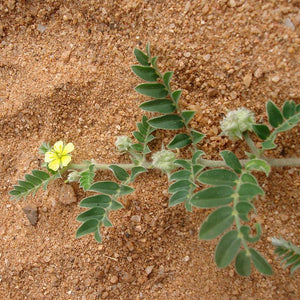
column 65, row 74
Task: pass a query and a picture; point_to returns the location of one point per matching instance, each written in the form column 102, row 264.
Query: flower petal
column 49, row 156
column 68, row 148
column 58, row 146
column 54, row 164
column 65, row 160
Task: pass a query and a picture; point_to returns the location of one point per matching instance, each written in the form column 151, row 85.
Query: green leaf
column 245, row 230
column 141, row 57
column 107, row 222
column 177, row 198
column 181, row 175
column 119, row 172
column 148, row 49
column 20, row 189
column 247, row 191
column 216, row 223
column 105, row 187
column 289, row 109
column 274, row 115
column 25, row 184
column 243, row 209
column 140, row 138
column 155, row 90
column 262, row 131
column 227, row 249
column 260, row 263
column 187, row 115
column 142, row 128
column 197, row 169
column 232, row 161
column 213, row 197
column 259, row 165
column 167, row 78
column 248, row 178
column 96, row 201
column 93, row 213
column 32, row 179
column 183, row 163
column 145, row 73
column 135, row 171
column 180, row 185
column 172, row 122
column 163, row 106
column 218, row 177
column 137, row 147
column 40, row 174
column 196, row 136
column 154, row 61
column 97, row 235
column 115, row 205
column 196, row 156
column 125, row 190
column 268, row 145
column 87, row 178
column 243, row 263
column 86, row 228
column 179, row 141
column 176, row 96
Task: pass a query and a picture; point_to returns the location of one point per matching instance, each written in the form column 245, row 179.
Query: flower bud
column 123, row 143
column 236, row 122
column 73, row 176
column 164, row 160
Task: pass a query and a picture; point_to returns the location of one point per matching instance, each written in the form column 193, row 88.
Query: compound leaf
column 145, row 72
column 171, row 121
column 274, row 115
column 141, row 57
column 119, row 172
column 260, row 263
column 96, row 201
column 105, row 187
column 232, row 161
column 179, row 141
column 154, row 90
column 218, row 177
column 227, row 249
column 86, row 228
column 213, row 197
column 163, row 106
column 216, row 223
column 243, row 263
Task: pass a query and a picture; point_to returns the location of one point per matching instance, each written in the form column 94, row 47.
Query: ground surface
column 65, row 74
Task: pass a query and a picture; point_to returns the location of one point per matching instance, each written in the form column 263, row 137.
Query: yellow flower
column 59, row 156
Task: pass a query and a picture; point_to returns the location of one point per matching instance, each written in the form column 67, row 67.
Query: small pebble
column 206, row 57
column 212, row 92
column 114, row 279
column 231, row 3
column 41, row 28
column 136, row 219
column 258, row 73
column 187, row 54
column 247, row 80
column 67, row 195
column 289, row 24
column 31, row 213
column 275, row 78
column 149, row 270
column 186, row 258
column 66, row 56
